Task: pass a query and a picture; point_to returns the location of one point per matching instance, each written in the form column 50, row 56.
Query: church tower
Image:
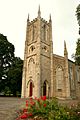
column 37, row 78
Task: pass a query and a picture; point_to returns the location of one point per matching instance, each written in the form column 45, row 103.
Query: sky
column 13, row 20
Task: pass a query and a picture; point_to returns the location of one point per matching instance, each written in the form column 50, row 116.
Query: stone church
column 45, row 73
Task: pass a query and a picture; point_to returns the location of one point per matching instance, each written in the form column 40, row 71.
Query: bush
column 43, row 109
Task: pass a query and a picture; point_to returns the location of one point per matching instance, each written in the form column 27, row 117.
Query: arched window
column 30, row 34
column 72, row 78
column 35, row 32
column 31, row 65
column 78, row 75
column 47, row 34
column 43, row 32
column 59, row 78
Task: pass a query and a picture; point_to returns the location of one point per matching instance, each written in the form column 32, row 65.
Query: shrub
column 44, row 109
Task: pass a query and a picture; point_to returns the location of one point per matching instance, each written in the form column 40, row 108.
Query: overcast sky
column 13, row 17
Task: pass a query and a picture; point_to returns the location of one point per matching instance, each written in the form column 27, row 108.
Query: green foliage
column 6, row 58
column 14, row 76
column 77, row 54
column 7, row 91
column 10, row 68
column 42, row 109
column 78, row 16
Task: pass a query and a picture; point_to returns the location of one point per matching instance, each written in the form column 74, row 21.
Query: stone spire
column 65, row 49
column 28, row 18
column 66, row 72
column 50, row 18
column 39, row 12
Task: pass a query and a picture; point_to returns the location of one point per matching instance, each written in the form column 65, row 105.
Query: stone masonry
column 45, row 73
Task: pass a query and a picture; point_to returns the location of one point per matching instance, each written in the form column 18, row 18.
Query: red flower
column 35, row 98
column 43, row 98
column 26, row 101
column 18, row 118
column 38, row 99
column 26, row 104
column 30, row 114
column 44, row 105
column 31, row 98
column 24, row 116
column 32, row 103
column 24, row 110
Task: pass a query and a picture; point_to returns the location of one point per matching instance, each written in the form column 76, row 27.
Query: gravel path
column 9, row 106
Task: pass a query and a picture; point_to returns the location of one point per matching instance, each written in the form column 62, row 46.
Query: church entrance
column 44, row 89
column 31, row 89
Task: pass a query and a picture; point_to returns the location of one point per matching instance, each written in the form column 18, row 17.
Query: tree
column 77, row 54
column 14, row 76
column 6, row 59
column 78, row 16
column 10, row 68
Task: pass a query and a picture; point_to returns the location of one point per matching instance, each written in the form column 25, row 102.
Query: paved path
column 9, row 106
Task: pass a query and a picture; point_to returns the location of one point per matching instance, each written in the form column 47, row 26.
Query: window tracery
column 31, row 66
column 71, row 78
column 78, row 75
column 59, row 78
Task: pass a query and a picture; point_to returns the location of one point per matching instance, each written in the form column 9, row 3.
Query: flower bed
column 43, row 109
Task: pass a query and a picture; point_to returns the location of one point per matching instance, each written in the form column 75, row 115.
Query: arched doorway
column 31, row 89
column 44, row 89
